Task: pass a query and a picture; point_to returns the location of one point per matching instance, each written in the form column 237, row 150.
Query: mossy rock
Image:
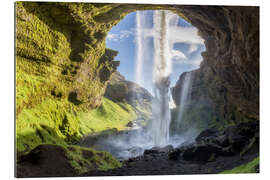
column 48, row 160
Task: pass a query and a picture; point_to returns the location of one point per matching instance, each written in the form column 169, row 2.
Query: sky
column 186, row 49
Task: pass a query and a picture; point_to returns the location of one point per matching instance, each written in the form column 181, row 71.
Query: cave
column 71, row 37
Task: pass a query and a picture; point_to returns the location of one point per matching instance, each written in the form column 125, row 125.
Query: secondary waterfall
column 184, row 97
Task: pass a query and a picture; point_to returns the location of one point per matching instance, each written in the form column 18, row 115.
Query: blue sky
column 122, row 38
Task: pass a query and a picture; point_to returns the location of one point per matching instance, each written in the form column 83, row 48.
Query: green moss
column 85, row 159
column 110, row 115
column 52, row 121
column 245, row 168
column 61, row 122
column 198, row 115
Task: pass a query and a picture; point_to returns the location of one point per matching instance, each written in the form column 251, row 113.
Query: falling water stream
column 184, row 97
column 157, row 132
column 161, row 77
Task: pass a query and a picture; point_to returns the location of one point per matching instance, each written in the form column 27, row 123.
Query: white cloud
column 193, row 48
column 177, row 54
column 195, row 63
column 112, row 37
column 121, row 35
column 187, row 35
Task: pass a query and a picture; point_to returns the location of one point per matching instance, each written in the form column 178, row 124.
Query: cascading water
column 163, row 23
column 159, row 31
column 139, row 46
column 161, row 77
column 184, row 97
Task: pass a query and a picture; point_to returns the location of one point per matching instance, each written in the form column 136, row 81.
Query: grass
column 81, row 159
column 245, row 168
column 85, row 159
column 61, row 122
column 109, row 116
column 52, row 121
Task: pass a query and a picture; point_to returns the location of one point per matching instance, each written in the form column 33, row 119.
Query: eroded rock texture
column 228, row 78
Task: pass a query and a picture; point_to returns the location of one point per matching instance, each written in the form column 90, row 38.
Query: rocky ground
column 212, row 152
column 160, row 164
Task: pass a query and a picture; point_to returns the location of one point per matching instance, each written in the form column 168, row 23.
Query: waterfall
column 139, row 46
column 184, row 97
column 161, row 77
column 163, row 23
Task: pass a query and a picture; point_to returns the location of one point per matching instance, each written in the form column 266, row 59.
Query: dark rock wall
column 229, row 74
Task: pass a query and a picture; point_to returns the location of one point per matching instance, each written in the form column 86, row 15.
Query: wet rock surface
column 212, row 152
column 159, row 164
column 210, row 144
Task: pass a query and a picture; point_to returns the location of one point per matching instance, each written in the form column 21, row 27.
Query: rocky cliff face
column 228, row 78
column 121, row 90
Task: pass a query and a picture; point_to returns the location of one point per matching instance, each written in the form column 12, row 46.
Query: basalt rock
column 156, row 150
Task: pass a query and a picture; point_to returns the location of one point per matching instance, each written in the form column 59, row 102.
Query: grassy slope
column 61, row 123
column 109, row 115
column 245, row 168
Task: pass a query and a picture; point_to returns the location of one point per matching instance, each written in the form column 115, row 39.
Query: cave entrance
column 154, row 48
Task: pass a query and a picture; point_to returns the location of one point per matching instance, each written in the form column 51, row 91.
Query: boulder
column 210, row 144
column 155, row 150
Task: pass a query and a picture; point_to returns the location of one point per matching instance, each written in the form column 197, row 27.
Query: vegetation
column 109, row 116
column 62, row 68
column 58, row 122
column 249, row 167
column 84, row 159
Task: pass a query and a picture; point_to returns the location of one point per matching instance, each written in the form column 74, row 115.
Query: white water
column 184, row 97
column 139, row 46
column 157, row 133
column 161, row 78
column 163, row 23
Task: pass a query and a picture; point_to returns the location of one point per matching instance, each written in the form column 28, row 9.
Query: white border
column 7, row 89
